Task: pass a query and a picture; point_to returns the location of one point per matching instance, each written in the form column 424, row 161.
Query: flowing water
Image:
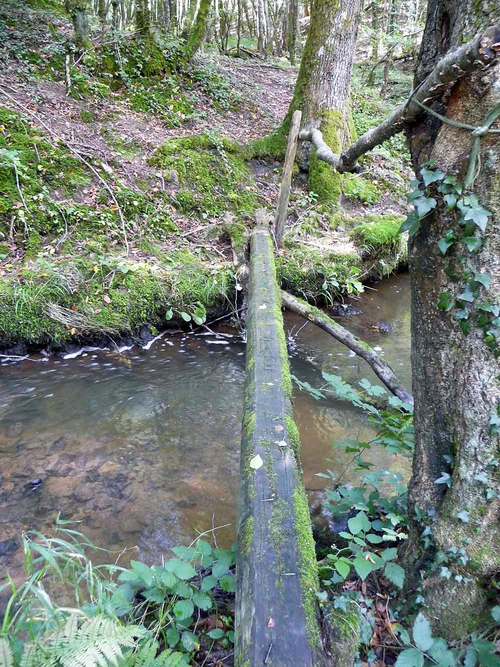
column 143, row 447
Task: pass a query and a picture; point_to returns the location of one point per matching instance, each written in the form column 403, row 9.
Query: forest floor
column 126, row 206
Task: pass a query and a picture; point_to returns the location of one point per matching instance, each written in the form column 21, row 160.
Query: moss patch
column 378, row 231
column 324, row 180
column 213, row 180
column 357, row 187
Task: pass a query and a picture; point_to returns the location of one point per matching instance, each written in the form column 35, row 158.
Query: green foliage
column 459, row 245
column 357, row 187
column 116, row 615
column 317, row 277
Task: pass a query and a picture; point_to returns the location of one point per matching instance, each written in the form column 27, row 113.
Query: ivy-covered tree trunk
column 199, row 30
column 323, row 87
column 77, row 10
column 143, row 18
column 455, row 275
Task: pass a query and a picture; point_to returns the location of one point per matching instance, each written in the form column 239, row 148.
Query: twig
column 19, row 189
column 79, row 157
column 206, row 532
column 223, row 317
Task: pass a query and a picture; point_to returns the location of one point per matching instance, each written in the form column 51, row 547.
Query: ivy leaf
column 410, row 657
column 424, row 205
column 466, row 295
column 451, row 200
column 395, row 574
column 463, row 516
column 444, row 244
column 431, row 176
column 484, row 279
column 464, row 327
column 482, row 477
column 411, row 224
column 445, row 573
column 495, row 612
column 446, row 301
column 422, row 633
column 477, row 214
column 473, row 243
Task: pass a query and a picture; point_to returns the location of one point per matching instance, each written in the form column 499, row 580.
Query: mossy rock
column 213, row 180
column 88, row 116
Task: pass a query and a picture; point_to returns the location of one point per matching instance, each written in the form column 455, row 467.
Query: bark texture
column 456, row 377
column 323, row 86
column 199, row 30
column 77, row 9
column 276, row 620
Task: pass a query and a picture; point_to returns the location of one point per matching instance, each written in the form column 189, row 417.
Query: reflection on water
column 143, row 448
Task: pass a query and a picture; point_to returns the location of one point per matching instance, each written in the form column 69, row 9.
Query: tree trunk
column 323, row 86
column 189, row 18
column 143, row 18
column 199, row 30
column 375, row 39
column 77, row 9
column 293, row 29
column 455, row 368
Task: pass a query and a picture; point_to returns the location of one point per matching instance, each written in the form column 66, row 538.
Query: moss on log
column 276, row 614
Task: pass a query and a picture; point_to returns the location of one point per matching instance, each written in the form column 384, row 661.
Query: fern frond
column 6, row 657
column 169, row 658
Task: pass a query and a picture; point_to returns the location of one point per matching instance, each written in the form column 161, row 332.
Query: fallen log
column 277, row 579
column 362, row 349
column 480, row 52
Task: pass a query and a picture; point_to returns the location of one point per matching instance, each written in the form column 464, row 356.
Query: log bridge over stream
column 276, row 610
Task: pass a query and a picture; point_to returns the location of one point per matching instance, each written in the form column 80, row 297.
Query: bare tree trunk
column 293, row 29
column 455, row 487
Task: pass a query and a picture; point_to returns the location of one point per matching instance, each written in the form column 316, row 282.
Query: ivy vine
column 458, row 244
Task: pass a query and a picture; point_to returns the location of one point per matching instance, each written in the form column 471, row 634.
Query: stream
column 143, row 447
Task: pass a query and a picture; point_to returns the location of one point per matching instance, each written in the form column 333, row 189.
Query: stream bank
column 143, row 447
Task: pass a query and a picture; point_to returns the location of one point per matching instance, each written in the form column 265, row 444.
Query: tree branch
column 480, row 52
column 362, row 349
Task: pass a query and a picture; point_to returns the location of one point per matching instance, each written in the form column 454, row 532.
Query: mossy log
column 276, row 613
column 362, row 349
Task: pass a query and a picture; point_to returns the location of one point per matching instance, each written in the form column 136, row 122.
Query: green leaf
column 208, row 583
column 144, row 572
column 183, row 609
column 184, row 570
column 184, row 590
column 342, row 568
column 374, row 539
column 466, row 295
column 410, row 657
column 470, row 657
column 431, row 176
column 411, row 224
column 168, row 579
column 202, row 601
column 488, row 659
column 389, row 554
column 169, row 314
column 203, row 548
column 222, row 565
column 154, row 594
column 185, row 317
column 472, row 242
column 172, row 637
column 484, row 279
column 478, row 215
column 403, row 634
column 463, row 516
column 362, row 566
column 395, row 574
column 422, row 633
column 441, row 654
column 446, row 301
column 495, row 612
column 228, row 583
column 218, row 633
column 186, row 553
column 451, row 200
column 189, row 641
column 444, row 244
column 424, row 205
